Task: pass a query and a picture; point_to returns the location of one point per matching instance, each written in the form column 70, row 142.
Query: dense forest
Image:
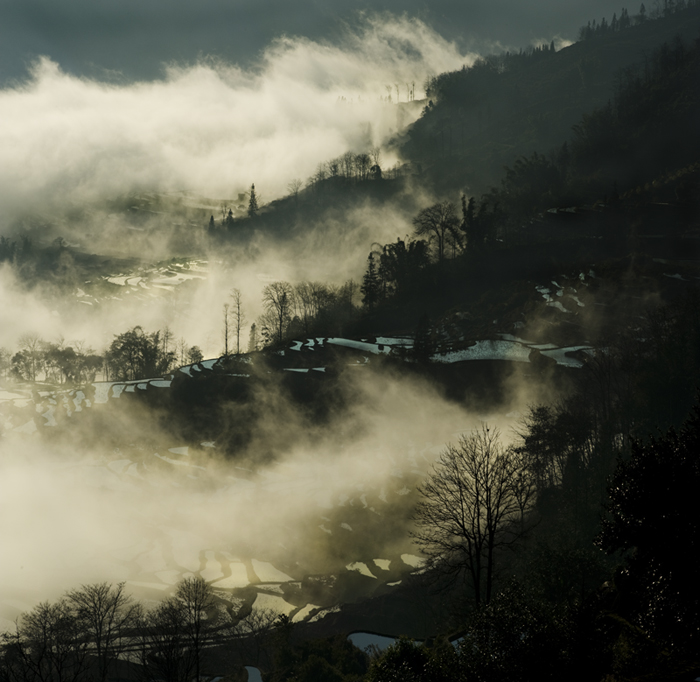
column 564, row 209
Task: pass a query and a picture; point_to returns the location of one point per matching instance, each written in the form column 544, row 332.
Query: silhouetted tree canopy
column 138, row 355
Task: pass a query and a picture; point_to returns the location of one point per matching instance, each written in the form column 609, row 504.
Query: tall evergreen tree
column 371, row 284
column 252, row 203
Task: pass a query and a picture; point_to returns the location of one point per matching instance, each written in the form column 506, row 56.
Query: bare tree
column 321, row 173
column 107, row 616
column 254, row 633
column 238, row 317
column 31, row 345
column 362, row 165
column 309, row 298
column 198, row 601
column 438, row 222
column 166, row 339
column 165, row 651
column 278, row 300
column 47, row 645
column 181, row 351
column 348, row 164
column 294, row 187
column 227, row 327
column 473, row 503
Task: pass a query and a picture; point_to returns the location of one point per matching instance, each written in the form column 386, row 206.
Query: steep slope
column 483, row 118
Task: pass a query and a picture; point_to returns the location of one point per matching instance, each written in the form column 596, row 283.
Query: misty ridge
column 211, row 127
column 369, row 337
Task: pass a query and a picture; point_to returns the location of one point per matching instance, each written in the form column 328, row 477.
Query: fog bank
column 151, row 512
column 211, row 127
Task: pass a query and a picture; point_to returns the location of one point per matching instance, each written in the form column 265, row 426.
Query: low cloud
column 79, row 510
column 211, row 127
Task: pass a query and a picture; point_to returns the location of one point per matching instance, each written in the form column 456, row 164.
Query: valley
column 430, row 412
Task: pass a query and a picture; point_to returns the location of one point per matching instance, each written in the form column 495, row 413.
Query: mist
column 331, row 249
column 146, row 509
column 72, row 145
column 151, row 513
column 212, row 127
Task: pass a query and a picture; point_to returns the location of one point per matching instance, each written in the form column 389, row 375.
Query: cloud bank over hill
column 212, row 127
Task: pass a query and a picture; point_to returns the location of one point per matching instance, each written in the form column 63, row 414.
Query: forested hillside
column 479, row 119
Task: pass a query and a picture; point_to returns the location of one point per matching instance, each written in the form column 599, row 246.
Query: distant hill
column 479, row 119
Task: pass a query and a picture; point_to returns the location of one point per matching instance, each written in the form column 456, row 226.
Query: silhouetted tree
column 362, row 165
column 198, row 602
column 371, row 284
column 30, row 356
column 166, row 653
column 252, row 202
column 136, row 355
column 255, row 633
column 194, row 355
column 226, row 330
column 311, row 299
column 107, row 616
column 437, row 222
column 278, row 300
column 48, row 645
column 472, row 503
column 238, row 317
column 401, row 266
column 294, row 187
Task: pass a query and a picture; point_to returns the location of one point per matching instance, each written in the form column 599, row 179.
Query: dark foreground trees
column 84, row 634
column 166, row 651
column 405, row 661
column 175, row 633
column 438, row 222
column 474, row 502
column 107, row 617
column 653, row 518
column 78, row 637
column 278, row 302
column 46, row 646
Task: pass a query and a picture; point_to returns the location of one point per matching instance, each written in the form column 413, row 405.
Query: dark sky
column 135, row 37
